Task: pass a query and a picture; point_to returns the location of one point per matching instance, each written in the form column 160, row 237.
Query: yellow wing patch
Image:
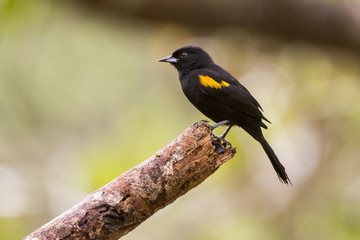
column 209, row 82
column 225, row 84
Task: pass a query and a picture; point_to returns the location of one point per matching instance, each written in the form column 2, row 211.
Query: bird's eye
column 183, row 55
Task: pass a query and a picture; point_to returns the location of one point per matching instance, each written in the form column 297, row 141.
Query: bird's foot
column 220, row 138
column 202, row 122
column 219, row 142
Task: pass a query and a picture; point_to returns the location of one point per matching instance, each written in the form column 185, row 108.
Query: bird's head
column 188, row 58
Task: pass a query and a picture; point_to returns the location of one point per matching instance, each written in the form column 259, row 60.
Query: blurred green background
column 83, row 99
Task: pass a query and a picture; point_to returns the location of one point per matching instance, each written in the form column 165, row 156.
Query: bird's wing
column 225, row 88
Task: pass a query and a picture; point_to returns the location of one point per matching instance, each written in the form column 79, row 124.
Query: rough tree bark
column 118, row 207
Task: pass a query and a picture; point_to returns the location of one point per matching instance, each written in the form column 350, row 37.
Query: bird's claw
column 220, row 138
column 202, row 122
column 219, row 141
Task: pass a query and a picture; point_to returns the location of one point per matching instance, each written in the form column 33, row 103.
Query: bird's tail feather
column 279, row 168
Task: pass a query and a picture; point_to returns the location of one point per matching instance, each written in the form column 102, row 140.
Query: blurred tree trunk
column 320, row 22
column 117, row 208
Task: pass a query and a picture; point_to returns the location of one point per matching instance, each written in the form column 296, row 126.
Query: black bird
column 219, row 96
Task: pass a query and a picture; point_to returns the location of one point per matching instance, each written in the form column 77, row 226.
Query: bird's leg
column 226, row 131
column 221, row 123
column 222, row 136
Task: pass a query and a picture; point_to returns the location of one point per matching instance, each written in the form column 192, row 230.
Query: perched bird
column 219, row 96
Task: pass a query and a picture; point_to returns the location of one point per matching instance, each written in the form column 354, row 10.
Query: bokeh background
column 83, row 99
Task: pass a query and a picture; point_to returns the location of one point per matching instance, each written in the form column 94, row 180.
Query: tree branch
column 317, row 22
column 118, row 207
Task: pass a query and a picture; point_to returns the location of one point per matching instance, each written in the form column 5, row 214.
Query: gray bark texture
column 120, row 206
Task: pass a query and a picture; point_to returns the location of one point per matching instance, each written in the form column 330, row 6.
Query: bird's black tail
column 279, row 168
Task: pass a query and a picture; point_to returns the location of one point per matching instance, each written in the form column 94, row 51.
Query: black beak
column 169, row 59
